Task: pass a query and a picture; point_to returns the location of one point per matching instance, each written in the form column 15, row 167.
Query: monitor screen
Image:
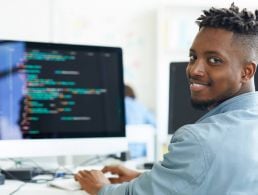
column 181, row 111
column 59, row 91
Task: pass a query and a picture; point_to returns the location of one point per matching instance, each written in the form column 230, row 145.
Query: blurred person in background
column 135, row 112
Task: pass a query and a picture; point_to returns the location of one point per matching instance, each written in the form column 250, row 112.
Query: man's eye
column 215, row 60
column 192, row 58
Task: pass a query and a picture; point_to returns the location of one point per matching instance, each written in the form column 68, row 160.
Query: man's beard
column 203, row 105
column 209, row 104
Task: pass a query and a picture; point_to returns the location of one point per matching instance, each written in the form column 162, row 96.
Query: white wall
column 25, row 19
column 128, row 24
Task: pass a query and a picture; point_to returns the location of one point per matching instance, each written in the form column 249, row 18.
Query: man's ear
column 248, row 72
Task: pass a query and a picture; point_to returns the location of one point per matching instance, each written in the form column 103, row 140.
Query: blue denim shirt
column 218, row 155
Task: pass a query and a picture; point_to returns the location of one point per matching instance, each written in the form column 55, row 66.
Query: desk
column 44, row 189
column 34, row 189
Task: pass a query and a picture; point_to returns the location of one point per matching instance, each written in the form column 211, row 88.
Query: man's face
column 215, row 68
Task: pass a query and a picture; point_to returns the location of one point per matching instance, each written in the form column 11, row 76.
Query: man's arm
column 182, row 170
column 123, row 174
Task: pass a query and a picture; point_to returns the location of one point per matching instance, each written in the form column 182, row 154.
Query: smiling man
column 217, row 155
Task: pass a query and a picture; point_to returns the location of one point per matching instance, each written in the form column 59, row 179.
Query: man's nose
column 197, row 69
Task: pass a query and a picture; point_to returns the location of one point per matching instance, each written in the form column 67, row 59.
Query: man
column 218, row 154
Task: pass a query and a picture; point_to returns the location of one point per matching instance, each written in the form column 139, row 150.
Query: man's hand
column 124, row 174
column 91, row 181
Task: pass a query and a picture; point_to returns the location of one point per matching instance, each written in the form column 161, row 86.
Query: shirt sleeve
column 180, row 173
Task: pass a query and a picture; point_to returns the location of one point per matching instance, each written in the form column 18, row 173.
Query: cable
column 22, row 160
column 59, row 171
column 99, row 159
column 89, row 161
column 18, row 188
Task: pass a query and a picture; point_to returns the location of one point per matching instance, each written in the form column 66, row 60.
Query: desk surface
column 34, row 189
column 43, row 189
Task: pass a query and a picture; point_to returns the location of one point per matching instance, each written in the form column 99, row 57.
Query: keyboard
column 65, row 184
column 72, row 185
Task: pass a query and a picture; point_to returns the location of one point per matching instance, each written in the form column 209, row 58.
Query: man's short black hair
column 241, row 22
column 244, row 25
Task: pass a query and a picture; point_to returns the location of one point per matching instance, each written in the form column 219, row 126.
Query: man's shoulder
column 206, row 135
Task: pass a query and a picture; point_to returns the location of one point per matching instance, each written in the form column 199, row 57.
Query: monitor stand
column 65, row 161
column 65, row 166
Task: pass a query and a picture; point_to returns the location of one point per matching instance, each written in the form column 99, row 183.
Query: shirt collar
column 243, row 101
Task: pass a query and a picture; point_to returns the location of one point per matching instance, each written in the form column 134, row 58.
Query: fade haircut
column 244, row 25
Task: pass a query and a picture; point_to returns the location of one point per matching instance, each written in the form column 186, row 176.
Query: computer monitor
column 181, row 111
column 60, row 99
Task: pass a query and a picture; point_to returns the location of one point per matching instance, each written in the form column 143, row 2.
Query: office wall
column 25, row 19
column 128, row 24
